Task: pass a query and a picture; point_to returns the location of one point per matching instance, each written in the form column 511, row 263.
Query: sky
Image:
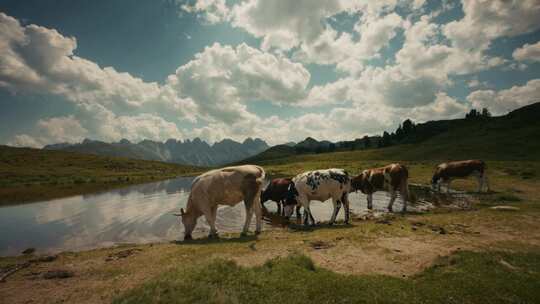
column 275, row 69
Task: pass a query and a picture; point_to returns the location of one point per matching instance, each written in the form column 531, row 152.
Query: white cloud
column 487, row 20
column 529, row 52
column 212, row 11
column 222, row 79
column 282, row 23
column 503, row 101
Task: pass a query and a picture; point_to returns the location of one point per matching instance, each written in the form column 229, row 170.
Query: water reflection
column 136, row 214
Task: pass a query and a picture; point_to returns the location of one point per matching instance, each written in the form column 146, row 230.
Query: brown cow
column 391, row 178
column 277, row 191
column 445, row 172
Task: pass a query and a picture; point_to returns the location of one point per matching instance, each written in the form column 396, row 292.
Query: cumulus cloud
column 221, row 79
column 486, row 20
column 212, row 11
column 503, row 101
column 528, row 52
column 284, row 24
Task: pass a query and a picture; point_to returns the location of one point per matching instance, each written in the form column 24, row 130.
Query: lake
column 135, row 214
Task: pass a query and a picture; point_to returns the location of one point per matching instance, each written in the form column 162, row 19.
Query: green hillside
column 32, row 174
column 514, row 136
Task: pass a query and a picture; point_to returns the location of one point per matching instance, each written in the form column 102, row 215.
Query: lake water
column 135, row 214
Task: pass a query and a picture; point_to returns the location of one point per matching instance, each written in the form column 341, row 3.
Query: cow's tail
column 260, row 179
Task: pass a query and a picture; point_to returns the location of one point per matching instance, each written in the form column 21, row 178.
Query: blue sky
column 279, row 70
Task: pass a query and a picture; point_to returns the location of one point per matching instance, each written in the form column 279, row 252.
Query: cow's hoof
column 213, row 236
column 243, row 234
column 257, row 232
column 331, row 223
column 188, row 237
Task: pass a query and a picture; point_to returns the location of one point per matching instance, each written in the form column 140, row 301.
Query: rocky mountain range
column 190, row 152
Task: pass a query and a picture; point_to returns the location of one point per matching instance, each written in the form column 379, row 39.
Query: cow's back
column 322, row 184
column 227, row 185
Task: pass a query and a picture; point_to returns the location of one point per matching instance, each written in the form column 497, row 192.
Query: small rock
column 504, row 208
column 29, row 250
column 44, row 259
column 320, row 245
column 57, row 274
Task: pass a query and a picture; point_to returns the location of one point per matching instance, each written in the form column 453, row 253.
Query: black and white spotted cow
column 319, row 185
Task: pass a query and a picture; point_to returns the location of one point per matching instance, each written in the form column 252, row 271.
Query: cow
column 445, row 172
column 391, row 178
column 277, row 191
column 319, row 185
column 225, row 186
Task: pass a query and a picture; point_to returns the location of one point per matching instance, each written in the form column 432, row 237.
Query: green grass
column 464, row 277
column 32, row 174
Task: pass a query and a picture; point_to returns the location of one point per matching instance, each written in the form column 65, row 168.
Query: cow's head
column 290, row 200
column 188, row 220
column 358, row 182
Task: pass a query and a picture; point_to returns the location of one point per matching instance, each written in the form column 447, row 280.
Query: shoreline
column 12, row 196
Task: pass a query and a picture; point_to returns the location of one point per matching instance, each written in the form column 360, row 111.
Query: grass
column 464, row 277
column 31, row 174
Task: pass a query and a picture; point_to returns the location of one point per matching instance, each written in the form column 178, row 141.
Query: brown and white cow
column 226, row 186
column 391, row 178
column 446, row 172
column 277, row 191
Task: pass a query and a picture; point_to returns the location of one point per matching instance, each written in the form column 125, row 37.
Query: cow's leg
column 208, row 213
column 298, row 211
column 448, row 185
column 304, row 202
column 258, row 214
column 405, row 196
column 278, row 205
column 370, row 201
column 345, row 200
column 486, row 181
column 337, row 206
column 393, row 195
column 480, row 180
column 212, row 221
column 249, row 215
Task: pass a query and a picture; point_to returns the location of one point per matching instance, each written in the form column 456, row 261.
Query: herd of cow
column 231, row 185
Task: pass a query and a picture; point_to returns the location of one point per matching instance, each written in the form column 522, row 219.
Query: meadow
column 447, row 255
column 28, row 175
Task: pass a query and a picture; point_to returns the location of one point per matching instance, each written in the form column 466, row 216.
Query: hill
column 509, row 137
column 190, row 152
column 31, row 174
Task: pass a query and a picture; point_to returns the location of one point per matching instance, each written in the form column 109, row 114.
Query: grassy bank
column 31, row 174
column 463, row 277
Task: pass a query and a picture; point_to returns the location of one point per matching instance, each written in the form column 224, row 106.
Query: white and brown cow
column 446, row 172
column 226, row 186
column 392, row 178
column 319, row 185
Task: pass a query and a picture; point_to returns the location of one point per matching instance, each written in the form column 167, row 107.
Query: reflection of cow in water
column 391, row 178
column 277, row 191
column 226, row 186
column 320, row 185
column 445, row 172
